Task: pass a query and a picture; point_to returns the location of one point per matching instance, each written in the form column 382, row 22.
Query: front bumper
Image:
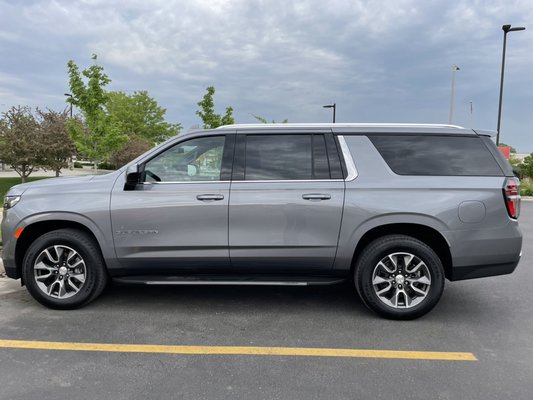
column 12, row 272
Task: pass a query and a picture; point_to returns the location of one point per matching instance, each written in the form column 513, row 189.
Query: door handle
column 210, row 197
column 316, row 196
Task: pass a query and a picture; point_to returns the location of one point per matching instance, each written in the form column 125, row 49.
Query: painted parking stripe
column 239, row 350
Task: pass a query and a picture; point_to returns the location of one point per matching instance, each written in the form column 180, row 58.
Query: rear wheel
column 64, row 269
column 399, row 277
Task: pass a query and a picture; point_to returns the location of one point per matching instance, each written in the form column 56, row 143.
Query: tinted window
column 286, row 157
column 437, row 155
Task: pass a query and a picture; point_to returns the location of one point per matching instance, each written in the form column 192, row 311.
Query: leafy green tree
column 57, row 145
column 264, row 121
column 140, row 116
column 94, row 138
column 20, row 145
column 208, row 115
column 527, row 166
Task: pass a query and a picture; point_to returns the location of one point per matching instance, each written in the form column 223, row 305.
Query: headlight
column 10, row 201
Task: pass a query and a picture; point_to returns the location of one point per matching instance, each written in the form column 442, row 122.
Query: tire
column 64, row 269
column 399, row 277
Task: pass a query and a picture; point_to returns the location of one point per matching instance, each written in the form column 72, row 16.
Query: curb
column 9, row 286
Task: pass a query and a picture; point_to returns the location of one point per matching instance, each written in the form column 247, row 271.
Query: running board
column 214, row 280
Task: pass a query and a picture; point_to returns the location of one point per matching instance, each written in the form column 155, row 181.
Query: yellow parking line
column 239, row 350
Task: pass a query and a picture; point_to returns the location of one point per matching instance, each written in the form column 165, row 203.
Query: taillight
column 511, row 194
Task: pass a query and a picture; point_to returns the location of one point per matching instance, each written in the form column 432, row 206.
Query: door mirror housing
column 133, row 177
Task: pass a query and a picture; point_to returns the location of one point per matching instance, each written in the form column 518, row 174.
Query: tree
column 20, row 145
column 131, row 150
column 264, row 121
column 140, row 116
column 93, row 137
column 207, row 113
column 57, row 145
column 527, row 166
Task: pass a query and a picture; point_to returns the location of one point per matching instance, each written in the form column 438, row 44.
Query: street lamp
column 334, row 106
column 454, row 69
column 69, row 95
column 506, row 29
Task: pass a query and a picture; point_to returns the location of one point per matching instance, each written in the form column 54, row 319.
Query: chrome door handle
column 316, row 196
column 210, row 197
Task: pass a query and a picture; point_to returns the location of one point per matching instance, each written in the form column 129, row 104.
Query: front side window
column 198, row 159
column 286, row 157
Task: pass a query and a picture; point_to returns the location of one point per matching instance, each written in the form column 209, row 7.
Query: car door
column 286, row 202
column 177, row 217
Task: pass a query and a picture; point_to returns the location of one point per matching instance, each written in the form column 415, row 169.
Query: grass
column 6, row 183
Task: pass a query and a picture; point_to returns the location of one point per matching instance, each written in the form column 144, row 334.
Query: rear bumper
column 481, row 271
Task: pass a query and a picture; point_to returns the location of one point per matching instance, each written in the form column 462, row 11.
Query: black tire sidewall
column 379, row 249
column 82, row 244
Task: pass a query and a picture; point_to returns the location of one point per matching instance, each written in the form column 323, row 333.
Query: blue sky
column 379, row 61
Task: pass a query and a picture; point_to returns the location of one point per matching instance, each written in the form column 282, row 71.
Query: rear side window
column 437, row 155
column 286, row 157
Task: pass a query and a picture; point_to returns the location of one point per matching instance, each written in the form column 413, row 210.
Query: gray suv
column 394, row 208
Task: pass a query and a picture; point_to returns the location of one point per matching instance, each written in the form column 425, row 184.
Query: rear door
column 286, row 202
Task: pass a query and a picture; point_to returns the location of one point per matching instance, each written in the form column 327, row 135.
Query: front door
column 177, row 218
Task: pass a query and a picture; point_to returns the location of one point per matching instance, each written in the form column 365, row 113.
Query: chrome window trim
column 239, row 181
column 350, row 165
column 289, row 180
column 180, row 182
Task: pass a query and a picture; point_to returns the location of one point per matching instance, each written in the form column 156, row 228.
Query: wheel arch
column 34, row 229
column 424, row 233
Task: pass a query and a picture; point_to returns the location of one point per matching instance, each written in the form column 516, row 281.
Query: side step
column 228, row 280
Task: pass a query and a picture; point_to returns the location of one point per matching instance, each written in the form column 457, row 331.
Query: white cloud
column 379, row 60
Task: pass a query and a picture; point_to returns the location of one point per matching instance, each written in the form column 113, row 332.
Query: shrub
column 107, row 166
column 526, row 188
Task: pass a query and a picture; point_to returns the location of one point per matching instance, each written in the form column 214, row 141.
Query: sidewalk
column 64, row 172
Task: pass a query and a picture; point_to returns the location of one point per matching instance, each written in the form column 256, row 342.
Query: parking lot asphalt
column 490, row 318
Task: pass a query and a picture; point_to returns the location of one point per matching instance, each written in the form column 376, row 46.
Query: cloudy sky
column 379, row 61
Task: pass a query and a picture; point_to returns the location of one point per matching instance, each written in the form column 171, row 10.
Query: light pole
column 471, row 113
column 334, row 106
column 506, row 29
column 454, row 69
column 69, row 95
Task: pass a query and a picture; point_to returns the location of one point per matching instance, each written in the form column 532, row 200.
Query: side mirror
column 133, row 177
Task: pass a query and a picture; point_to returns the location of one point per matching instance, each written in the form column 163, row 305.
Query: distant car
column 395, row 208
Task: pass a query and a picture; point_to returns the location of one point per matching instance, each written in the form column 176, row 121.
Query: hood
column 57, row 182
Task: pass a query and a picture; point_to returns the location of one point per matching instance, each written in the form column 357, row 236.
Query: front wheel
column 64, row 269
column 399, row 277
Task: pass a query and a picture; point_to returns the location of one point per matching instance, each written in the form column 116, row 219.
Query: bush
column 78, row 164
column 526, row 188
column 107, row 166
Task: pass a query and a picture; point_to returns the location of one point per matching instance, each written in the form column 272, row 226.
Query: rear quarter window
column 437, row 155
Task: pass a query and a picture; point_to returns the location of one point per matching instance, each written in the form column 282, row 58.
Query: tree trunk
column 57, row 172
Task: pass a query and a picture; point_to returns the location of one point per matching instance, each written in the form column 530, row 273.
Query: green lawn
column 6, row 183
